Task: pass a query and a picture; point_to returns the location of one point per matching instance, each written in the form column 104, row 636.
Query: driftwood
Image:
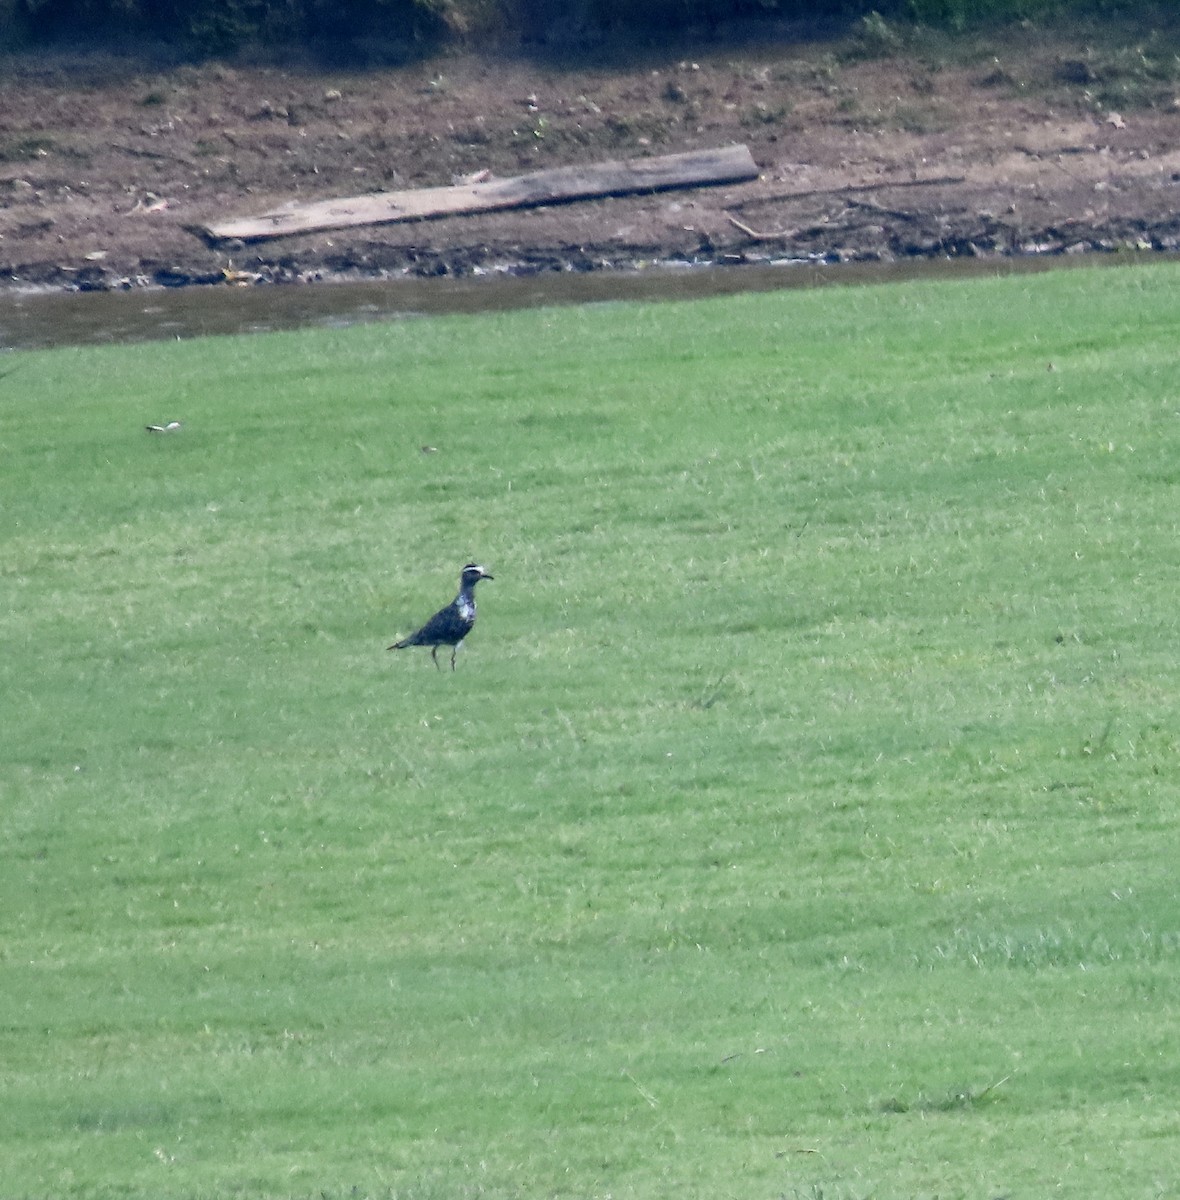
column 824, row 224
column 729, row 164
column 882, row 185
column 774, row 235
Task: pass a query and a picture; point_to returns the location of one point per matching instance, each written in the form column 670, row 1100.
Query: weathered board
column 728, row 164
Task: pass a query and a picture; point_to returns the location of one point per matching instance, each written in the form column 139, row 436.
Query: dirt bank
column 1016, row 143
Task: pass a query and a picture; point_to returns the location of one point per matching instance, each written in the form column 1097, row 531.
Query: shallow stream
column 38, row 320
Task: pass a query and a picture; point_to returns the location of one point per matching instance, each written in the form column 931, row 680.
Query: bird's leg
column 434, row 655
column 453, row 653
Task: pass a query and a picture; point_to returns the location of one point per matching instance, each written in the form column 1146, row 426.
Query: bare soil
column 1009, row 144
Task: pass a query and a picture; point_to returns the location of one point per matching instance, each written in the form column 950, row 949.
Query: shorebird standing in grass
column 450, row 625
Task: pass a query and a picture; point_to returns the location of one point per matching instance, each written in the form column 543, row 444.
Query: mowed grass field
column 801, row 821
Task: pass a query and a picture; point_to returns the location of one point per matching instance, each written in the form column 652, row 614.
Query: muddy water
column 41, row 320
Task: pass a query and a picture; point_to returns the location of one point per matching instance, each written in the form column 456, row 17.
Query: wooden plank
column 728, row 164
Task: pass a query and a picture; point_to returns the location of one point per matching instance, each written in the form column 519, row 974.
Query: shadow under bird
column 450, row 625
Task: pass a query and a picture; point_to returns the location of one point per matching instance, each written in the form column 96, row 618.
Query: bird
column 171, row 427
column 450, row 625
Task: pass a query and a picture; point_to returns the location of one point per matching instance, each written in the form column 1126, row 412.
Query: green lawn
column 801, row 820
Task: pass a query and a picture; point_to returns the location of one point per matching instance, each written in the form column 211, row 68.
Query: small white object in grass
column 171, row 427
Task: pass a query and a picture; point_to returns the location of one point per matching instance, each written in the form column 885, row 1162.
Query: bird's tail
column 399, row 645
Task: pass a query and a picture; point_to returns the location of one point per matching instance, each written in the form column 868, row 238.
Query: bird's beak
column 487, row 575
